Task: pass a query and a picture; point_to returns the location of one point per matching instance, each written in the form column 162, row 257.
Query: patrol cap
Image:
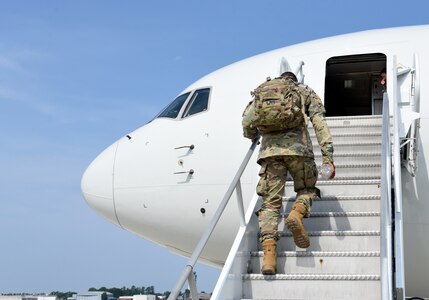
column 289, row 75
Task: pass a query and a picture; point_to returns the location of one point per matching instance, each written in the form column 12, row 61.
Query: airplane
column 165, row 180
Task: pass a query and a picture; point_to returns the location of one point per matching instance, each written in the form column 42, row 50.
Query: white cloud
column 11, row 65
column 7, row 94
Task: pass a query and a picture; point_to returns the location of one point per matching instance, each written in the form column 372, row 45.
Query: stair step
column 349, row 138
column 317, row 287
column 321, row 253
column 333, row 203
column 341, row 198
column 331, row 277
column 356, row 165
column 339, row 130
column 357, row 170
column 347, row 121
column 344, row 221
column 365, row 240
column 354, row 154
column 346, row 135
column 342, row 187
column 352, row 146
column 348, row 176
column 351, row 158
column 353, row 178
column 322, row 262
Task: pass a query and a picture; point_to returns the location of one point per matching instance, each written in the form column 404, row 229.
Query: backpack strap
column 302, row 106
column 303, row 110
column 302, row 101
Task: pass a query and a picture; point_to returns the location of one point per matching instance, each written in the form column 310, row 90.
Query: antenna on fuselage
column 284, row 66
column 299, row 72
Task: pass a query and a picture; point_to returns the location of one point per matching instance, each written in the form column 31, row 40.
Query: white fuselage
column 133, row 183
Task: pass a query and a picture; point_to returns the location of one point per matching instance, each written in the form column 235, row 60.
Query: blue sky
column 77, row 75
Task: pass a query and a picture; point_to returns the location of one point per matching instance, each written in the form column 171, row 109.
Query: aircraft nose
column 97, row 184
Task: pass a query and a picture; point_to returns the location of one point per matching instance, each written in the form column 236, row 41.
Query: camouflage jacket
column 295, row 141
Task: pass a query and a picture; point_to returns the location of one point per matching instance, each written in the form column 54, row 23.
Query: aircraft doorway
column 352, row 85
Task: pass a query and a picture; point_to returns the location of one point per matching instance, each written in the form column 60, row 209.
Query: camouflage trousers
column 273, row 175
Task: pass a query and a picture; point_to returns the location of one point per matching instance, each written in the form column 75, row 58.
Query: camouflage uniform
column 289, row 150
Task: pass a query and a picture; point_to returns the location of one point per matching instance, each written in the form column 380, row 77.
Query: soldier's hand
column 256, row 137
column 333, row 170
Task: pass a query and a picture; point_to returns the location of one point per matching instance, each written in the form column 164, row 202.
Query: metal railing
column 397, row 182
column 235, row 185
column 386, row 206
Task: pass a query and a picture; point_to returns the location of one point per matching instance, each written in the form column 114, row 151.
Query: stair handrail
column 397, row 181
column 386, row 253
column 235, row 185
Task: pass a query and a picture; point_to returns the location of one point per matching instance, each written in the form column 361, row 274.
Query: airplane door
column 352, row 84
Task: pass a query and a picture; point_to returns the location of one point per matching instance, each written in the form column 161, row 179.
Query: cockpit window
column 198, row 102
column 173, row 109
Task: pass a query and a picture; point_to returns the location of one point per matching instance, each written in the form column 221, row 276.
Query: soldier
column 288, row 150
column 383, row 78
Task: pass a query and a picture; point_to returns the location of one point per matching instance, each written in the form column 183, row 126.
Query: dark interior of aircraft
column 352, row 85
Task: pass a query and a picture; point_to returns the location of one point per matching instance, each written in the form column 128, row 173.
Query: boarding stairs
column 356, row 250
column 343, row 260
column 350, row 253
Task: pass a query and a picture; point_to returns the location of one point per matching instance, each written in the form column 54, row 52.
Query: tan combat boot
column 295, row 225
column 269, row 263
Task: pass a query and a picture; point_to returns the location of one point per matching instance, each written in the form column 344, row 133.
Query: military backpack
column 277, row 106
